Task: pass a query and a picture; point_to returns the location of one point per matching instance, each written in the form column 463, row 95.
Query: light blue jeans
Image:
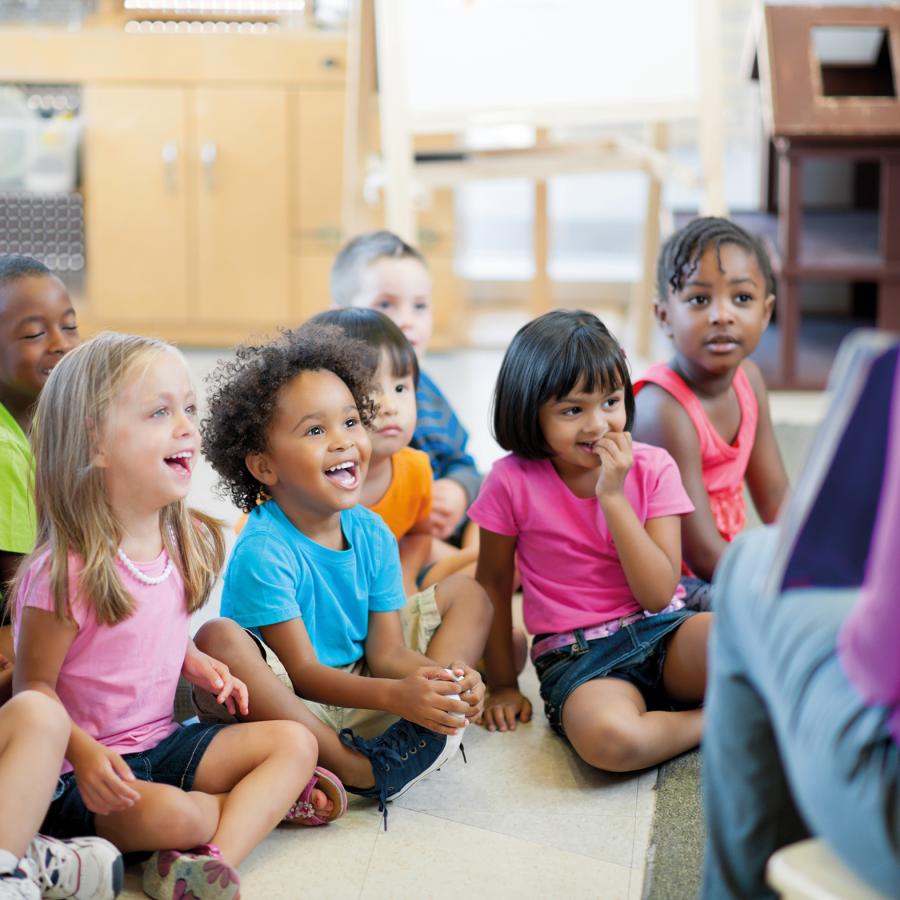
column 790, row 749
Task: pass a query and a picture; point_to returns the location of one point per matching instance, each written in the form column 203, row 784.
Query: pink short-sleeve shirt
column 118, row 682
column 571, row 573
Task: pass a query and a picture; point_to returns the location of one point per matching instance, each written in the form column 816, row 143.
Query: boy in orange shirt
column 398, row 483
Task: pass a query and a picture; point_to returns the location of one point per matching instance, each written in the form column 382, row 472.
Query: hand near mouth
column 614, row 453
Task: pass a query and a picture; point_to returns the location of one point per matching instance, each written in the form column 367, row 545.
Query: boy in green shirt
column 37, row 327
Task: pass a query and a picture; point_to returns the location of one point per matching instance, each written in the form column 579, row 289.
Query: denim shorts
column 635, row 654
column 697, row 593
column 172, row 761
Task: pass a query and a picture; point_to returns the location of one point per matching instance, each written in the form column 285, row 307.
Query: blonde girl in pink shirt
column 594, row 520
column 102, row 615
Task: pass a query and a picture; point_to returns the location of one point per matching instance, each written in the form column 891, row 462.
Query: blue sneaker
column 400, row 757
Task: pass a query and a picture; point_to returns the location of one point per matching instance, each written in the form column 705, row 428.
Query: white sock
column 9, row 862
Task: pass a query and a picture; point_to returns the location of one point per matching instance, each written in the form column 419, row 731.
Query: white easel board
column 547, row 62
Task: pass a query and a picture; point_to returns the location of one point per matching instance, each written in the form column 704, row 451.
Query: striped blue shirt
column 441, row 435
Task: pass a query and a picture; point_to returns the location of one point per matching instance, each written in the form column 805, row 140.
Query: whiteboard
column 469, row 62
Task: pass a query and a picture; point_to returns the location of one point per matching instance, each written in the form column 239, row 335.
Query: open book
column 826, row 527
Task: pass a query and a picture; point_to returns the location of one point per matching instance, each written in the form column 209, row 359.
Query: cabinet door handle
column 209, row 153
column 170, row 165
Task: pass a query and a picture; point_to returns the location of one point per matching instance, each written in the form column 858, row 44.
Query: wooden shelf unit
column 211, row 173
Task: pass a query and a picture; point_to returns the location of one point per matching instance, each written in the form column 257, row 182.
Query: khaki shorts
column 420, row 619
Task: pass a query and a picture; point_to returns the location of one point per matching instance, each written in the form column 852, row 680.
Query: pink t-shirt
column 571, row 574
column 118, row 682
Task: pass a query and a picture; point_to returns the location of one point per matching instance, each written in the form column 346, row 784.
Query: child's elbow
column 660, row 595
column 658, row 602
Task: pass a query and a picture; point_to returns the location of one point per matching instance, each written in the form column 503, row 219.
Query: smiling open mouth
column 180, row 462
column 345, row 474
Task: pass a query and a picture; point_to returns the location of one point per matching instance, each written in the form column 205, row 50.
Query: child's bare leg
column 684, row 671
column 607, row 722
column 165, row 818
column 441, row 550
column 466, row 614
column 470, row 537
column 271, row 700
column 262, row 767
column 463, row 562
column 34, row 731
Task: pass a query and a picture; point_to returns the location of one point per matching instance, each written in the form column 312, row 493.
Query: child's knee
column 186, row 819
column 463, row 591
column 611, row 745
column 294, row 740
column 35, row 713
column 221, row 638
column 195, row 821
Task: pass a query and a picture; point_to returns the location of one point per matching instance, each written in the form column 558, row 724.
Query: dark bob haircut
column 379, row 332
column 547, row 358
column 243, row 396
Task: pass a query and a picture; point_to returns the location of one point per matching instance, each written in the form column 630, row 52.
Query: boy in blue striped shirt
column 380, row 271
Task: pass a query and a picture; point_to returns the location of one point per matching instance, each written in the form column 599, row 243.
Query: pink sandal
column 304, row 813
column 197, row 874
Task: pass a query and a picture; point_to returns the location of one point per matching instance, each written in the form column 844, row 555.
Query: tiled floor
column 524, row 817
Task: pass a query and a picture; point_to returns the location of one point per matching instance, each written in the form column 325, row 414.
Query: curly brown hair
column 243, row 393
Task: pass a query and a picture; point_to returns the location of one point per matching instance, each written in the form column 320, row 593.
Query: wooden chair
column 809, row 870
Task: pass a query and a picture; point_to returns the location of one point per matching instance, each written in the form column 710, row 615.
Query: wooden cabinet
column 316, row 167
column 212, row 172
column 186, row 202
column 240, row 188
column 318, row 126
column 136, row 205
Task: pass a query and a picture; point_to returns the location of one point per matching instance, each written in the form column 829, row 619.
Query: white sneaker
column 85, row 868
column 22, row 884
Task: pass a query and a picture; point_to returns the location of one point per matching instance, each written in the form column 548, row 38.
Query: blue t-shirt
column 276, row 573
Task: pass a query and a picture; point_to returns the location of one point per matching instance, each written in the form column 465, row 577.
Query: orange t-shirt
column 407, row 501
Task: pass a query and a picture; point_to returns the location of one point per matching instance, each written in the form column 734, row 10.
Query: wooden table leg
column 790, row 220
column 889, row 289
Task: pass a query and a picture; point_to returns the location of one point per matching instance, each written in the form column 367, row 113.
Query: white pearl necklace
column 141, row 576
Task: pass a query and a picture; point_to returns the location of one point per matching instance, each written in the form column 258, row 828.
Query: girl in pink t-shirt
column 594, row 521
column 708, row 405
column 102, row 615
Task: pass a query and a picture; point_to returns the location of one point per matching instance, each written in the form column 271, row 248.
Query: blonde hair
column 73, row 510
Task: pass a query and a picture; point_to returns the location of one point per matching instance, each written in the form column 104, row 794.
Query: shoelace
column 359, row 743
column 51, row 868
column 398, row 746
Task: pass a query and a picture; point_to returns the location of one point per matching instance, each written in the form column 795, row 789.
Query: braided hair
column 680, row 255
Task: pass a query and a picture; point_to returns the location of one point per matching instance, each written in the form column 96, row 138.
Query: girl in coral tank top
column 708, row 405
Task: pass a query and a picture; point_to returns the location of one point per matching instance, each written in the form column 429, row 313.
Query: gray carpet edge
column 674, row 865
